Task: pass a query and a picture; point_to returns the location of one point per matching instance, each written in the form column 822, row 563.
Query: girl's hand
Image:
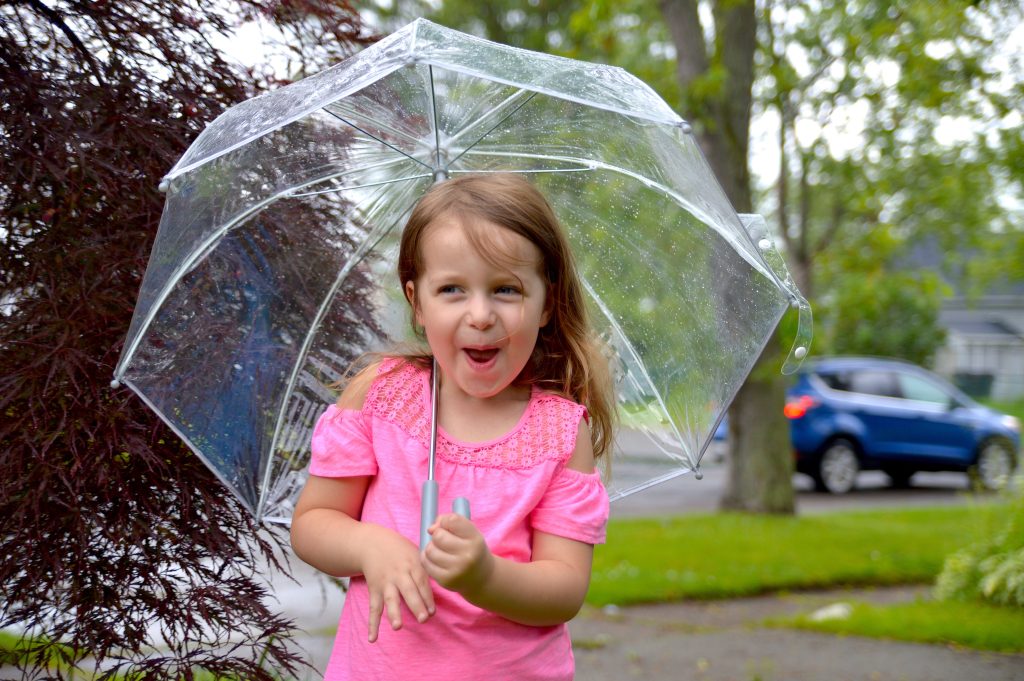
column 393, row 572
column 457, row 555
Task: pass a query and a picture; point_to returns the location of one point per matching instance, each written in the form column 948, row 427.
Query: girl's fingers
column 376, row 609
column 422, row 581
column 415, row 602
column 413, row 589
column 393, row 605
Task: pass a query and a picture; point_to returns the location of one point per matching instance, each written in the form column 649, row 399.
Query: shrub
column 992, row 569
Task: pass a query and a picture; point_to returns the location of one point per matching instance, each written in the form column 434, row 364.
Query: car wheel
column 838, row 467
column 994, row 465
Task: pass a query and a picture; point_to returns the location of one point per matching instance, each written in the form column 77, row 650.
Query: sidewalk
column 727, row 641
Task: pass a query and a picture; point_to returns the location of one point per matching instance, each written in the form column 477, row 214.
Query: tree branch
column 57, row 20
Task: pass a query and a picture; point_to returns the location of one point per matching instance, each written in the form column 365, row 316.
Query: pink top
column 516, row 483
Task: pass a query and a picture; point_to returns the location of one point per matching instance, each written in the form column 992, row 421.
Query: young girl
column 525, row 408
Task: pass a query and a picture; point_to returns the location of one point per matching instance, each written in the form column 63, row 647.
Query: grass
column 1013, row 408
column 970, row 624
column 726, row 555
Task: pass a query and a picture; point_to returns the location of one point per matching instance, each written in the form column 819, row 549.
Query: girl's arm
column 327, row 533
column 546, row 591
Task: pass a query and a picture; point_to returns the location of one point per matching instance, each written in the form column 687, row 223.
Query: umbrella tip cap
column 164, row 185
column 115, row 384
column 698, row 473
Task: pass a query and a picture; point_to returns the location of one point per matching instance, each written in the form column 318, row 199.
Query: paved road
column 686, row 494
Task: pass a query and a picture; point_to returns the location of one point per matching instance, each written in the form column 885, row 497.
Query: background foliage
column 113, row 538
column 991, row 570
column 881, row 129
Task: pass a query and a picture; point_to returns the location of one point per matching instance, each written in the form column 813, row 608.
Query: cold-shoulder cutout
column 582, row 458
column 354, row 394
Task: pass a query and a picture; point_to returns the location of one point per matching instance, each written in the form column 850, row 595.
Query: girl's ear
column 549, row 303
column 410, row 295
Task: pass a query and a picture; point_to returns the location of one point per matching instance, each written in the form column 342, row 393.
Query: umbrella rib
column 633, row 355
column 382, row 125
column 375, row 137
column 511, row 99
column 307, row 343
column 647, row 484
column 189, row 443
column 358, row 186
column 437, row 129
column 493, row 127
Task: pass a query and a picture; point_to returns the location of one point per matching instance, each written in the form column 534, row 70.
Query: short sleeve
column 574, row 506
column 342, row 446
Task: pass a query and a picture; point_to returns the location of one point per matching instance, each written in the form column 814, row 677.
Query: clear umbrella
column 273, row 267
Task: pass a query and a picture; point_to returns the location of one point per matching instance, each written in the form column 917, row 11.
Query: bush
column 993, row 569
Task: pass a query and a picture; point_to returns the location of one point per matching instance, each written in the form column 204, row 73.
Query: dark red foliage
column 113, row 537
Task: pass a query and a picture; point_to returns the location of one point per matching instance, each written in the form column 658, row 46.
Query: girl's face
column 481, row 320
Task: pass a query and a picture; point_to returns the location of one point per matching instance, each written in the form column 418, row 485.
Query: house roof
column 982, row 327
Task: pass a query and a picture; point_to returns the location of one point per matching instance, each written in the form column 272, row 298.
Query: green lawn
column 1013, row 408
column 973, row 625
column 727, row 555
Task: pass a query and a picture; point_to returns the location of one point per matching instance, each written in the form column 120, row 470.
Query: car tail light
column 796, row 408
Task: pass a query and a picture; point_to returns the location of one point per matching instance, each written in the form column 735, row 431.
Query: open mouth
column 482, row 357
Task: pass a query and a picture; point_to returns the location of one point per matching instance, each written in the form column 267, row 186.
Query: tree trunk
column 760, row 462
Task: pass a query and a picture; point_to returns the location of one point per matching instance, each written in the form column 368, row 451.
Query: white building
column 984, row 350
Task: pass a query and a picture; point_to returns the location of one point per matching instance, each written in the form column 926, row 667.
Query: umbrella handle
column 428, row 511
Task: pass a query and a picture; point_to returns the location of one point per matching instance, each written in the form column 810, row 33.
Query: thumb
column 454, row 523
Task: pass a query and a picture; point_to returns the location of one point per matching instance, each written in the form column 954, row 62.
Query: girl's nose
column 480, row 314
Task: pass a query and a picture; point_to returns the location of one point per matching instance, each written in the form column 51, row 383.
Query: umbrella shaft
column 433, row 420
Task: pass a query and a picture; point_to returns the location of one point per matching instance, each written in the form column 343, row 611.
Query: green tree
column 886, row 314
column 895, row 117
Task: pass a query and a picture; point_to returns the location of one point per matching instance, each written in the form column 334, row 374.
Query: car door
column 936, row 429
column 873, row 400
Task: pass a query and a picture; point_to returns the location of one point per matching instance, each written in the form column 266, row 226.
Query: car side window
column 837, row 381
column 874, row 382
column 916, row 388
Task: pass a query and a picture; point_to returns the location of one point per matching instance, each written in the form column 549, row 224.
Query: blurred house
column 984, row 350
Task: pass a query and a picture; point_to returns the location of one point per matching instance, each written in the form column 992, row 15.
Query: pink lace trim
column 547, row 431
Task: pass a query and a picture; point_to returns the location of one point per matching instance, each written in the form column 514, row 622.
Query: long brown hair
column 568, row 358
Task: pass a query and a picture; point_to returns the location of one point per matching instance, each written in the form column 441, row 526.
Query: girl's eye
column 448, row 288
column 507, row 291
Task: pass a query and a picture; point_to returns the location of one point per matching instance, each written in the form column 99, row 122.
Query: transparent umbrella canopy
column 273, row 267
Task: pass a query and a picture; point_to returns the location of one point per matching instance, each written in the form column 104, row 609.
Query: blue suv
column 849, row 414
